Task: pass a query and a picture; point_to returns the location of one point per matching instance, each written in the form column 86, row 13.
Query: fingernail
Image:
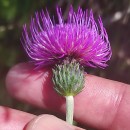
column 49, row 122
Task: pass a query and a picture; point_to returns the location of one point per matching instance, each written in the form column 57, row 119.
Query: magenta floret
column 79, row 37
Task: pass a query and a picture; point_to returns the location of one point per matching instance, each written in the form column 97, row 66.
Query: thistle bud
column 68, row 78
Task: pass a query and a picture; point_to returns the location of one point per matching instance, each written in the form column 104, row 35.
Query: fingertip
column 49, row 122
column 11, row 119
column 15, row 73
column 23, row 76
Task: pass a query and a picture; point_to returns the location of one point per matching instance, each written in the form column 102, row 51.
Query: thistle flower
column 67, row 46
column 79, row 37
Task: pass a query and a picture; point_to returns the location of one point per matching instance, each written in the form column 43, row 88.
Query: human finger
column 103, row 104
column 11, row 119
column 49, row 122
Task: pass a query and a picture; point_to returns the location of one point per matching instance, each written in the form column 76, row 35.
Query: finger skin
column 49, row 122
column 13, row 119
column 103, row 104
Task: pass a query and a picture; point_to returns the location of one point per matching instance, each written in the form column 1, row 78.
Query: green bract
column 68, row 78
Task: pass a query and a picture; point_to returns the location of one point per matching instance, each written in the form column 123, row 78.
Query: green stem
column 69, row 109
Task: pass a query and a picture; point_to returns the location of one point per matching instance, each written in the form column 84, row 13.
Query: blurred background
column 14, row 13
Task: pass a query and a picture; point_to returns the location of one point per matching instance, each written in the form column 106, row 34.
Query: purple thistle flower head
column 79, row 37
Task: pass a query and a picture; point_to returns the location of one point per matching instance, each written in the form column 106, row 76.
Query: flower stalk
column 68, row 79
column 69, row 109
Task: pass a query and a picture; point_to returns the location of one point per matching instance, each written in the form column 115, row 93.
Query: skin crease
column 103, row 104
